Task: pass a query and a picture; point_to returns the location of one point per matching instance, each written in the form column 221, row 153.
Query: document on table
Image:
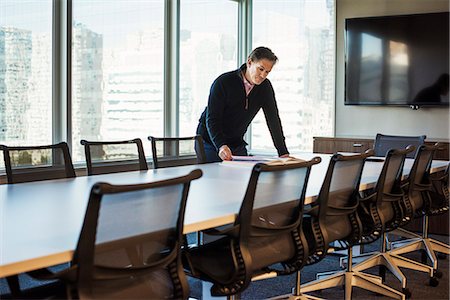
column 250, row 161
column 253, row 158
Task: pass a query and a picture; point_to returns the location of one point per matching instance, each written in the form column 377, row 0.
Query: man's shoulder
column 230, row 75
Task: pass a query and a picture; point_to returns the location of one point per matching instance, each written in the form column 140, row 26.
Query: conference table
column 40, row 221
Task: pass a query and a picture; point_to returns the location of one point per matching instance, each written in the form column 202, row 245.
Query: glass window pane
column 301, row 33
column 117, row 71
column 208, row 48
column 25, row 72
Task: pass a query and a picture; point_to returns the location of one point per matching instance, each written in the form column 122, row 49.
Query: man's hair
column 263, row 53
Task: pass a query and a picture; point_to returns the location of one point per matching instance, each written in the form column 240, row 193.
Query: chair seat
column 214, row 260
column 155, row 285
column 207, row 263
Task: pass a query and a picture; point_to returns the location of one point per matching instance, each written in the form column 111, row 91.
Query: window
column 117, row 71
column 118, row 67
column 208, row 48
column 25, row 72
column 301, row 34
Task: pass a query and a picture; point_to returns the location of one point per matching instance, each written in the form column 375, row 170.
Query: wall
column 366, row 121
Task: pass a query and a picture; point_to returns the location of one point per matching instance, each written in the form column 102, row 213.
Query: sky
column 102, row 15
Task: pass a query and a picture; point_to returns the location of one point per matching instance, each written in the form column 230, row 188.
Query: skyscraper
column 15, row 72
column 87, row 86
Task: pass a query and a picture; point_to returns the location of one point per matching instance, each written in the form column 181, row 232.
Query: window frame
column 62, row 66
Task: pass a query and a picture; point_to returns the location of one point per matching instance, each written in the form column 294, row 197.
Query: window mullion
column 171, row 67
column 61, row 112
column 245, row 44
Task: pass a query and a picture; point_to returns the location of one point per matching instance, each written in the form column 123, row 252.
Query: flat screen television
column 397, row 60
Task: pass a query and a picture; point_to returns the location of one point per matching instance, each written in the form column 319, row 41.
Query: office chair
column 265, row 232
column 380, row 212
column 104, row 157
column 333, row 218
column 385, row 142
column 138, row 257
column 439, row 193
column 177, row 151
column 35, row 163
column 419, row 204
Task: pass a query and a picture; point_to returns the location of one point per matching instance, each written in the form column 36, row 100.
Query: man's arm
column 214, row 114
column 273, row 121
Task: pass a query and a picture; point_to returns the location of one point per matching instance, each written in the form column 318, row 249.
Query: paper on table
column 252, row 158
column 264, row 159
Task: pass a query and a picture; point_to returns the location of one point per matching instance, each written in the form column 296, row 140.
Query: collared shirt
column 248, row 86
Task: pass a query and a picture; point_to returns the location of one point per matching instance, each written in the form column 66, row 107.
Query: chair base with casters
column 376, row 212
column 438, row 201
column 340, row 222
column 393, row 263
column 416, row 242
column 427, row 196
column 428, row 247
column 387, row 215
column 296, row 292
column 351, row 278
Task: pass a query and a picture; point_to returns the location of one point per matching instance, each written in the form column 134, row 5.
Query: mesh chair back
column 439, row 195
column 338, row 197
column 385, row 142
column 130, row 242
column 419, row 176
column 392, row 170
column 114, row 156
column 272, row 210
column 34, row 163
column 177, row 151
column 389, row 194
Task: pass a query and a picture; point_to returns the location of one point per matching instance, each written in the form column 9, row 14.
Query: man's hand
column 225, row 153
column 286, row 156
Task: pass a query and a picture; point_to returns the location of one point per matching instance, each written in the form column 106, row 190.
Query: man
column 234, row 100
column 434, row 92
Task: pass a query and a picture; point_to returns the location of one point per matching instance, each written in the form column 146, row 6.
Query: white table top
column 40, row 221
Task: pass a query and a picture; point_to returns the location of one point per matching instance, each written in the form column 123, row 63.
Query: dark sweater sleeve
column 215, row 112
column 274, row 123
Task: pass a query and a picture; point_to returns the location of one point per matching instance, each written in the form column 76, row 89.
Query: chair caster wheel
column 407, row 293
column 437, row 274
column 434, row 282
column 442, row 256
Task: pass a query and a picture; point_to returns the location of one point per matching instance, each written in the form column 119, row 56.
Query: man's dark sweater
column 230, row 112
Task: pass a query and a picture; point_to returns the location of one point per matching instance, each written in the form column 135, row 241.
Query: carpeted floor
column 417, row 282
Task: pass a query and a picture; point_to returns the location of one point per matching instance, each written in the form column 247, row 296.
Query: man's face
column 257, row 71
